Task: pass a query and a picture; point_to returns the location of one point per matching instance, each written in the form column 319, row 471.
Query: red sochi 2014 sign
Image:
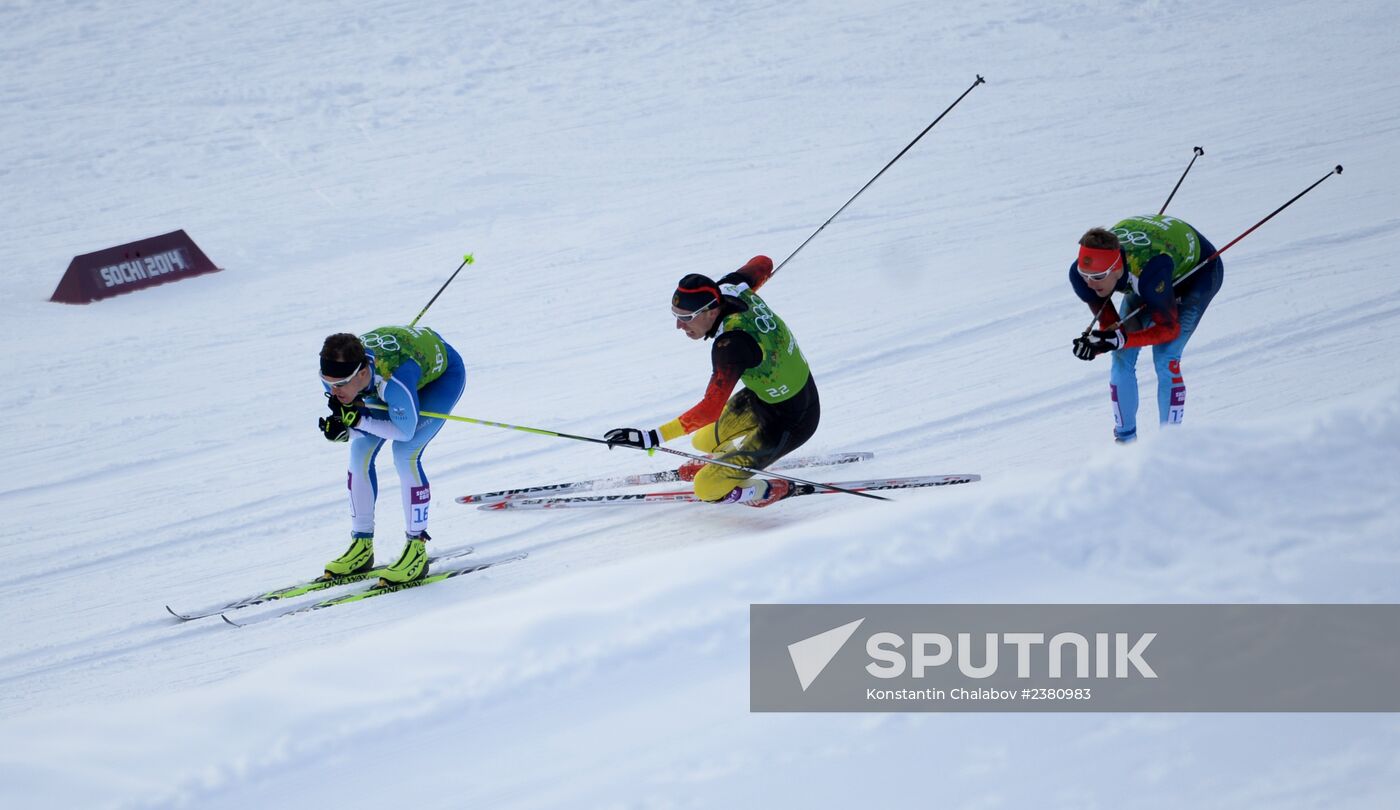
column 133, row 266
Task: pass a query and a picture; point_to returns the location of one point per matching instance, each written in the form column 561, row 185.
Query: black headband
column 339, row 369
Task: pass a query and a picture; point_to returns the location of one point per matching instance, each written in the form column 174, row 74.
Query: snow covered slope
column 338, row 159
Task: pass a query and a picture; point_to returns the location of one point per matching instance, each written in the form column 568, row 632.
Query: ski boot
column 688, row 470
column 778, row 489
column 356, row 560
column 412, row 563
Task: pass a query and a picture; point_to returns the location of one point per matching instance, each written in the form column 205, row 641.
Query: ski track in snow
column 680, row 619
column 337, row 160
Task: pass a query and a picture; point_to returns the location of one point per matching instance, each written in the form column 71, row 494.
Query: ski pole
column 558, row 435
column 752, row 471
column 466, row 260
column 1211, row 257
column 980, row 80
column 1196, row 152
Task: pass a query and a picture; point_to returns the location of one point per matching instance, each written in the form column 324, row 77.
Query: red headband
column 685, row 297
column 1097, row 260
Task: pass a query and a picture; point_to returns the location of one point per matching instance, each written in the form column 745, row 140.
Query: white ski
column 643, row 479
column 688, row 496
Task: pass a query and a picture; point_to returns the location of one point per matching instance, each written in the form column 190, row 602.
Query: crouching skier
column 775, row 413
column 404, row 371
column 1147, row 258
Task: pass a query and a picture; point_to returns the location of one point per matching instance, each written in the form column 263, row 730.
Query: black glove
column 1092, row 344
column 736, row 278
column 632, row 437
column 346, row 415
column 334, row 430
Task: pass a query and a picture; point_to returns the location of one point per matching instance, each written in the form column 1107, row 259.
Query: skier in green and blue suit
column 1144, row 257
column 405, row 371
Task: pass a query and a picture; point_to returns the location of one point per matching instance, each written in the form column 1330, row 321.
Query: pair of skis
column 435, row 574
column 382, row 589
column 559, row 496
column 662, row 477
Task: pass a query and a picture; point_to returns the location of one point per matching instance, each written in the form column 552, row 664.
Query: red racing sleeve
column 756, row 273
column 1108, row 316
column 733, row 353
column 707, row 410
column 1165, row 328
column 1158, row 294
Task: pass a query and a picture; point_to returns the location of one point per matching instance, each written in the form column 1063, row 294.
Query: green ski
column 303, row 588
column 380, row 590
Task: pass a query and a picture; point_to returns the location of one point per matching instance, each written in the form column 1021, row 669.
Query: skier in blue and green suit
column 401, row 371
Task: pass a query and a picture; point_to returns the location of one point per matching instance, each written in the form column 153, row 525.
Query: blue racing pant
column 438, row 396
column 1171, row 385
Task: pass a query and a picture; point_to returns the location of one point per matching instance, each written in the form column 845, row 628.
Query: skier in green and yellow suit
column 776, row 412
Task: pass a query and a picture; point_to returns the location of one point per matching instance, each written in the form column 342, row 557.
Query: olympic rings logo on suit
column 764, row 319
column 1135, row 238
column 375, row 340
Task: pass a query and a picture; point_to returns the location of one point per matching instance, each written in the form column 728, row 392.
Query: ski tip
column 176, row 615
column 229, row 622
